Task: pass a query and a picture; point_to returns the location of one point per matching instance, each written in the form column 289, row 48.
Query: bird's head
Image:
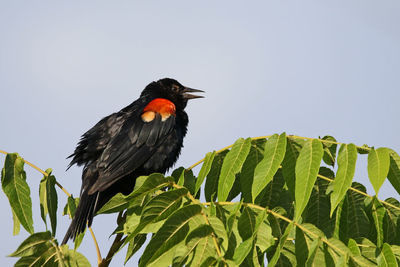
column 172, row 90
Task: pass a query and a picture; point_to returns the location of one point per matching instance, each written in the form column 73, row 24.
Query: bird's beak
column 188, row 90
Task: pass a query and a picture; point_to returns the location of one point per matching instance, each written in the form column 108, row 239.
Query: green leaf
column 281, row 243
column 205, row 169
column 337, row 249
column 301, row 247
column 186, row 179
column 378, row 213
column 70, row 207
column 14, row 185
column 219, row 230
column 396, row 252
column 162, row 205
column 391, row 222
column 173, row 231
column 179, row 176
column 318, row 207
column 394, row 170
column 264, row 239
column 52, row 202
column 246, row 175
column 120, row 202
column 72, row 258
column 329, row 150
column 312, row 252
column 235, row 190
column 354, row 222
column 274, row 152
column 346, row 167
column 17, row 224
column 211, row 186
column 368, row 249
column 293, row 148
column 48, row 200
column 353, row 247
column 247, row 223
column 43, row 200
column 288, row 257
column 26, row 261
column 387, row 258
column 211, row 261
column 242, row 251
column 152, row 183
column 307, row 167
column 233, row 216
column 340, row 254
column 378, row 167
column 51, row 257
column 306, row 244
column 134, row 246
column 232, row 165
column 159, row 208
column 79, row 239
column 117, row 203
column 200, row 242
column 274, row 194
column 34, row 244
column 337, row 225
column 255, row 257
column 190, row 181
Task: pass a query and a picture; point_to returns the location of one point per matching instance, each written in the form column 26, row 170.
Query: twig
column 118, row 241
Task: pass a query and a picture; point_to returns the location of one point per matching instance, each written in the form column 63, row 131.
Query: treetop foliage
column 275, row 200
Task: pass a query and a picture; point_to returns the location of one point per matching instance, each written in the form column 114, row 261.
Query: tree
column 276, row 200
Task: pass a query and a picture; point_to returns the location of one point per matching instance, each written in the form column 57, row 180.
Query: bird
column 142, row 138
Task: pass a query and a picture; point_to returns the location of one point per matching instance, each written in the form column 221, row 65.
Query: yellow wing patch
column 148, row 116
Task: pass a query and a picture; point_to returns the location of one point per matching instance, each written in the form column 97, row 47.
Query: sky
column 309, row 68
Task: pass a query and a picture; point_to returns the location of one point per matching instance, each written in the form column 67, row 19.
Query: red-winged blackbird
column 140, row 139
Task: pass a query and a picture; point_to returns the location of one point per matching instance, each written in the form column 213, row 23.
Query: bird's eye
column 175, row 87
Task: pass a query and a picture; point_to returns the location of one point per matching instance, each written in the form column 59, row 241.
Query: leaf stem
column 99, row 258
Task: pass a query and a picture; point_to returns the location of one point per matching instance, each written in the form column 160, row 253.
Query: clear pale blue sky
column 305, row 67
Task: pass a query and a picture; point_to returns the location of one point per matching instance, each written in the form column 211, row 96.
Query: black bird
column 140, row 139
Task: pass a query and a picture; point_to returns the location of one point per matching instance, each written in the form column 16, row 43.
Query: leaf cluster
column 278, row 200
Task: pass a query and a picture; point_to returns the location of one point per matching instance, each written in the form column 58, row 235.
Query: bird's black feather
column 122, row 147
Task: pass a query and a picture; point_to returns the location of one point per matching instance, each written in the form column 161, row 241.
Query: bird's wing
column 131, row 148
column 95, row 140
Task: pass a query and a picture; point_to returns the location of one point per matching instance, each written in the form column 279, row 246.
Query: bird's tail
column 83, row 216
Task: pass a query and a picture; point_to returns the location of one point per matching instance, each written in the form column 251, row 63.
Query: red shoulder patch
column 162, row 106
